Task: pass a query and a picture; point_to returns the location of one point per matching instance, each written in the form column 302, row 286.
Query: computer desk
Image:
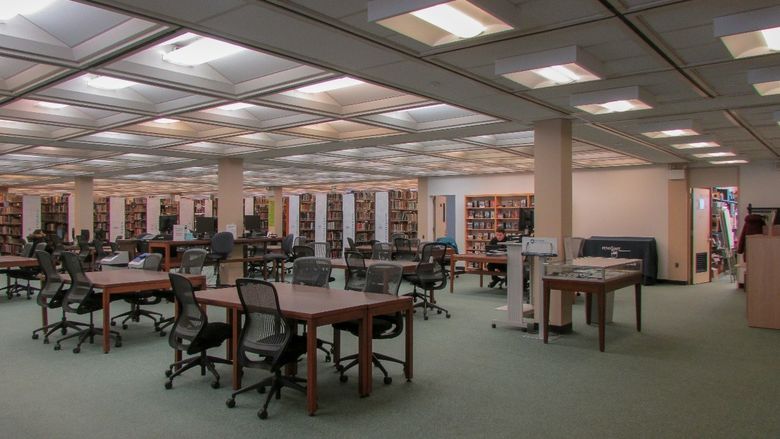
column 318, row 307
column 168, row 262
column 481, row 259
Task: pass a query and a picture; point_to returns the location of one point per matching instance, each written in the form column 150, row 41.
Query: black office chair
column 355, row 274
column 429, row 276
column 99, row 253
column 51, row 296
column 221, row 247
column 383, row 279
column 82, row 299
column 268, row 261
column 351, row 244
column 302, row 251
column 25, row 274
column 145, row 298
column 267, row 341
column 382, row 251
column 403, row 250
column 193, row 334
column 314, row 272
column 321, row 249
column 192, row 261
column 85, row 253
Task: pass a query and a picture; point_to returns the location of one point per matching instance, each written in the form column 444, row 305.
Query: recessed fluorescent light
column 51, row 105
column 428, row 107
column 618, row 106
column 109, row 83
column 235, row 106
column 616, row 100
column 670, row 128
column 12, row 8
column 201, row 52
column 772, row 38
column 714, row 154
column 561, row 66
column 164, row 120
column 451, row 20
column 751, row 33
column 766, row 81
column 333, row 84
column 727, row 162
column 692, row 145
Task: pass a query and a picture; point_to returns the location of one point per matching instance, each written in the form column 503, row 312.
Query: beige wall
column 714, row 177
column 759, row 183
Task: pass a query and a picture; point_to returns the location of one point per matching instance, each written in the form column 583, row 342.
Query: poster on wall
column 348, row 209
column 31, row 214
column 271, row 217
column 320, row 217
column 295, row 206
column 382, row 218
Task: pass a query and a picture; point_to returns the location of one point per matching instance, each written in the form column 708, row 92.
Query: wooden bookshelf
column 286, row 216
column 169, row 206
column 200, row 207
column 365, row 216
column 403, row 213
column 10, row 224
column 135, row 217
column 54, row 214
column 306, row 217
column 100, row 215
column 486, row 213
column 260, row 208
column 335, row 225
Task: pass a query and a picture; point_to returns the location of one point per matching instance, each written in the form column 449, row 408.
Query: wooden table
column 168, row 262
column 129, row 281
column 317, row 307
column 599, row 287
column 12, row 262
column 481, row 260
column 408, row 267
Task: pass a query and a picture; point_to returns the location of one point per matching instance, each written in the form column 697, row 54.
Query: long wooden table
column 481, row 260
column 408, row 267
column 128, row 281
column 169, row 262
column 317, row 307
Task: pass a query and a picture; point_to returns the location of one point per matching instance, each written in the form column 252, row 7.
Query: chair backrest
column 403, row 249
column 351, row 243
column 222, row 243
column 84, row 248
column 287, row 244
column 302, row 251
column 383, row 278
column 99, row 252
column 152, row 262
column 397, row 235
column 52, row 284
column 321, row 249
column 80, row 286
column 27, row 250
column 383, row 251
column 41, row 246
column 430, row 269
column 311, row 271
column 299, row 240
column 192, row 261
column 265, row 332
column 355, row 273
column 191, row 319
column 572, row 247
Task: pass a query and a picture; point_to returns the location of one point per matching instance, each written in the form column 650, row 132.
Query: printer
column 138, row 261
column 115, row 261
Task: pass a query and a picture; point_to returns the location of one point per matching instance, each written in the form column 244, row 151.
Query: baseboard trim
column 672, row 282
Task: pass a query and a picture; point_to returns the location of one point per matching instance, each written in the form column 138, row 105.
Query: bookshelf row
column 487, row 213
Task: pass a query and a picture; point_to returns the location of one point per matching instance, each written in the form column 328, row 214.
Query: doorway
column 444, row 216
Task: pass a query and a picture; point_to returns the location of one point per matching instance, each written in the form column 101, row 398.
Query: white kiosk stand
column 519, row 313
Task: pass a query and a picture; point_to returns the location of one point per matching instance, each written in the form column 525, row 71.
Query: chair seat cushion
column 212, row 336
column 381, row 324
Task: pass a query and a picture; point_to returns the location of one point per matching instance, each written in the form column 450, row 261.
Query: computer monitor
column 252, row 223
column 167, row 222
column 205, row 225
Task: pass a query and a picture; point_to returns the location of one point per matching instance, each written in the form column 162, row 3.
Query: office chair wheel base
column 35, row 336
column 162, row 333
column 57, row 347
column 76, row 350
column 448, row 315
column 64, row 331
column 262, row 414
column 230, row 403
column 118, row 344
column 45, row 341
column 425, row 317
column 339, row 368
column 113, row 323
column 388, row 380
column 168, row 373
column 343, row 378
column 215, row 385
column 168, row 385
column 438, row 311
column 124, row 326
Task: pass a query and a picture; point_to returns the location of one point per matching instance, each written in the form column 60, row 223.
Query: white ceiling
column 422, row 111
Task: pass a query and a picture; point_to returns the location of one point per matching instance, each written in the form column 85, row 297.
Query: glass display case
column 593, row 268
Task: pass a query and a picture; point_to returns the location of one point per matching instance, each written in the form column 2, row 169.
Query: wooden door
column 700, row 235
column 439, row 216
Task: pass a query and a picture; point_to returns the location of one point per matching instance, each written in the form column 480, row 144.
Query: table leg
column 311, row 368
column 588, row 303
column 480, row 278
column 282, row 262
column 106, row 321
column 364, row 356
column 638, row 299
column 602, row 312
column 546, row 313
column 408, row 368
column 452, row 274
column 235, row 318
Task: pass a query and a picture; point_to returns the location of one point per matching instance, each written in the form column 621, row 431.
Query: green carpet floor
column 696, row 370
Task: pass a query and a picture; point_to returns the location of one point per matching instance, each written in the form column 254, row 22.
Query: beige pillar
column 552, row 190
column 276, row 196
column 424, row 231
column 230, row 193
column 84, row 205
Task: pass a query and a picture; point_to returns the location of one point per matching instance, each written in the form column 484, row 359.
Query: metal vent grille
column 701, row 262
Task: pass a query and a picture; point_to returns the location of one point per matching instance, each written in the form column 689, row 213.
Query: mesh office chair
column 268, row 261
column 51, row 296
column 382, row 251
column 321, row 249
column 193, row 334
column 404, row 250
column 302, row 251
column 136, row 301
column 266, row 342
column 99, row 253
column 221, row 247
column 314, row 272
column 85, row 253
column 355, row 274
column 351, row 244
column 192, row 261
column 25, row 274
column 429, row 276
column 82, row 299
column 383, row 279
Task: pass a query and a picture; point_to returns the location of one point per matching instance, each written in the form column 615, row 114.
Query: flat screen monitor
column 252, row 223
column 205, row 225
column 167, row 222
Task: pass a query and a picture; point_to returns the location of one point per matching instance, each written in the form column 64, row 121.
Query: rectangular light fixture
column 200, row 52
column 565, row 65
column 766, row 81
column 235, row 106
column 437, row 22
column 164, row 120
column 333, row 84
column 615, row 100
column 671, row 128
column 728, row 162
column 109, row 83
column 714, row 154
column 51, row 105
column 12, row 8
column 751, row 33
column 694, row 145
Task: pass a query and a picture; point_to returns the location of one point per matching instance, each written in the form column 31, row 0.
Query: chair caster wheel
column 76, row 350
column 57, row 347
column 261, row 389
column 35, row 336
column 230, row 403
column 262, row 415
column 448, row 316
column 438, row 311
column 162, row 333
column 425, row 317
column 215, row 385
column 327, row 359
column 388, row 380
column 45, row 341
column 343, row 378
column 339, row 368
column 168, row 385
column 118, row 344
column 168, row 373
column 124, row 326
column 493, row 325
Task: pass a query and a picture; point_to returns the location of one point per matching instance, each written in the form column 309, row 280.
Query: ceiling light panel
column 671, row 128
column 728, row 162
column 566, row 65
column 765, row 81
column 714, row 154
column 616, row 100
column 435, row 22
column 696, row 144
column 751, row 33
column 201, row 50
